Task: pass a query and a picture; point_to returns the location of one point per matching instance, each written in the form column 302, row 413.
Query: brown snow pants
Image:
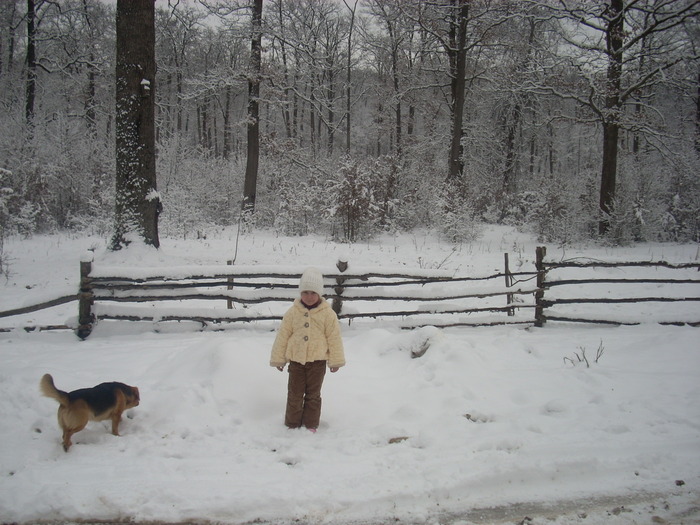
column 304, row 394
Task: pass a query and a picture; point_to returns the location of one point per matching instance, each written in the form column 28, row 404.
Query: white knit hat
column 311, row 281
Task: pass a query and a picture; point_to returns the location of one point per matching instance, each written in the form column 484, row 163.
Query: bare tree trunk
column 458, row 59
column 90, row 100
column 213, row 134
column 331, row 113
column 286, row 112
column 204, row 129
column 9, row 36
column 638, row 107
column 609, row 173
column 251, row 170
column 137, row 204
column 380, row 131
column 312, row 117
column 297, row 116
column 611, row 119
column 697, row 117
column 178, row 98
column 228, row 131
column 348, row 90
column 513, row 126
column 31, row 65
column 509, row 185
column 397, row 109
column 393, row 30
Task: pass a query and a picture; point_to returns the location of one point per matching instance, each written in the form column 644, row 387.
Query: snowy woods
column 351, row 117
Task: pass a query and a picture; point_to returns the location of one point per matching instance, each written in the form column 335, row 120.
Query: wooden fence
column 579, row 290
column 619, row 293
column 215, row 295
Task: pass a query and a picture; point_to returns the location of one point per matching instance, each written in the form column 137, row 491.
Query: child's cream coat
column 309, row 335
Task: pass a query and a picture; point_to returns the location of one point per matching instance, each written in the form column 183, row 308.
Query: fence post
column 509, row 283
column 540, row 253
column 229, row 302
column 339, row 288
column 86, row 299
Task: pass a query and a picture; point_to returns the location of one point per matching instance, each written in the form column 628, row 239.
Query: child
column 308, row 339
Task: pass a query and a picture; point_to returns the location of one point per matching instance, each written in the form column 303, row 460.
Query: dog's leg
column 68, row 433
column 117, row 412
column 66, row 439
column 116, row 419
column 71, row 423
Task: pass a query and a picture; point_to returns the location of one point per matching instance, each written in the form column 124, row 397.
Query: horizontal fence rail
column 36, row 308
column 40, row 306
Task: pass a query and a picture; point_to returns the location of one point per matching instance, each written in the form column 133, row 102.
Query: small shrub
column 355, row 205
column 581, row 357
column 458, row 219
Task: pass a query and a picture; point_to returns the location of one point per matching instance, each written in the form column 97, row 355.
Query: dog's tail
column 49, row 390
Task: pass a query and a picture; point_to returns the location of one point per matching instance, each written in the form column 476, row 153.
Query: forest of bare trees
column 575, row 118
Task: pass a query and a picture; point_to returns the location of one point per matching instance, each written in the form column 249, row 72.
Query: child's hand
column 334, row 369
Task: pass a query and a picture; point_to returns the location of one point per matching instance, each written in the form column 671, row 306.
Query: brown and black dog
column 104, row 401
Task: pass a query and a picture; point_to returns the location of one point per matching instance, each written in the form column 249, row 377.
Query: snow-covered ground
column 491, row 425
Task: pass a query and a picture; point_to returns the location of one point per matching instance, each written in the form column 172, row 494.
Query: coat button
column 306, row 338
column 306, row 325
